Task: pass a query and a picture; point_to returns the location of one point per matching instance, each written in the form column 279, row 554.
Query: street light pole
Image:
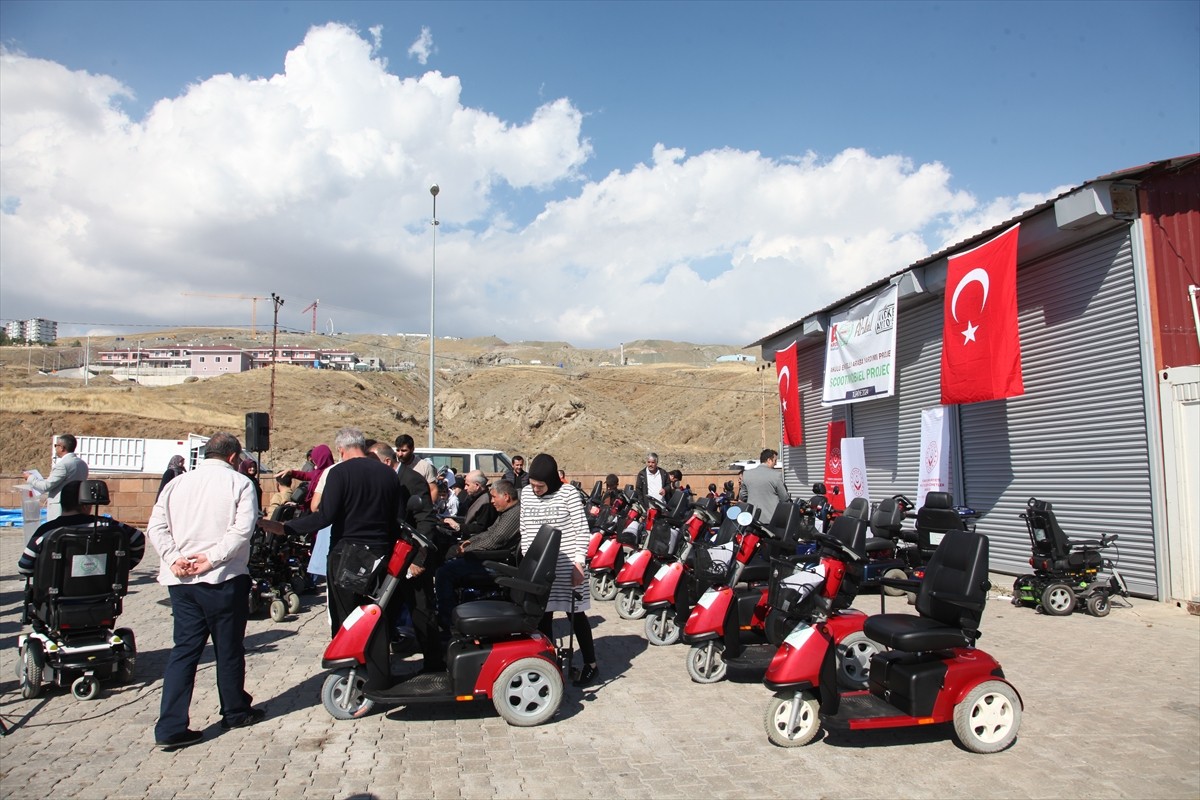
column 433, row 190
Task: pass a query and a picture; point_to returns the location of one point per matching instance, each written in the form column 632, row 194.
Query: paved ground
column 1112, row 709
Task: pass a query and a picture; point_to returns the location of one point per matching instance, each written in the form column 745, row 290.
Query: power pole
column 277, row 301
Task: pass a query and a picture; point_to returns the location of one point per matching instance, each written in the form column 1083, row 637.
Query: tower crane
column 253, row 305
column 313, row 308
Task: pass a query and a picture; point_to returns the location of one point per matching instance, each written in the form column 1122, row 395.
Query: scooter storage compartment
column 909, row 681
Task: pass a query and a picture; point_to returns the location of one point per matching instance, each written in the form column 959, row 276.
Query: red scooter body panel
column 594, row 544
column 708, row 615
column 350, row 642
column 506, row 652
column 799, row 658
column 661, row 590
column 606, row 555
column 634, row 569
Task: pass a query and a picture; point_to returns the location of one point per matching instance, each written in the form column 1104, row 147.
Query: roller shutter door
column 1077, row 437
column 891, row 428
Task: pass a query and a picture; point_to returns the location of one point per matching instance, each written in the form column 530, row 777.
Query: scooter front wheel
column 629, row 603
column 343, row 695
column 662, row 628
column 987, row 720
column 603, row 586
column 792, row 719
column 706, row 662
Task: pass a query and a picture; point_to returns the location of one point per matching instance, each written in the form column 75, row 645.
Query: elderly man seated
column 463, row 561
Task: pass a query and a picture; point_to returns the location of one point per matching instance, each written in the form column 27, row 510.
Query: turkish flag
column 981, row 346
column 789, row 396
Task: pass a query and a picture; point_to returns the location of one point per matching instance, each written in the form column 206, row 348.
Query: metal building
column 1108, row 428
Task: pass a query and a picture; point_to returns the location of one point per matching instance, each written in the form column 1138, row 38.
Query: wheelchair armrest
column 511, row 582
column 489, row 555
column 958, row 600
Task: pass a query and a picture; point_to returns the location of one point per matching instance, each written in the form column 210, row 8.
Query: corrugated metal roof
column 966, row 244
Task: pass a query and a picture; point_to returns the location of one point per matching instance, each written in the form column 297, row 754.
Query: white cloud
column 314, row 183
column 422, row 48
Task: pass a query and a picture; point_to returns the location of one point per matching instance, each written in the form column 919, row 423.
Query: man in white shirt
column 651, row 481
column 69, row 467
column 201, row 527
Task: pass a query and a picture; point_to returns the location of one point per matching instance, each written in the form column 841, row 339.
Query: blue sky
column 683, row 156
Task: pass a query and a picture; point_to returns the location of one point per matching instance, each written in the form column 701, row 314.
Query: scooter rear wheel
column 662, row 628
column 706, row 662
column 987, row 719
column 894, row 591
column 854, row 660
column 528, row 692
column 344, row 699
column 629, row 603
column 778, row 719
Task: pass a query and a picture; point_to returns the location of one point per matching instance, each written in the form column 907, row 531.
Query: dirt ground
column 593, row 417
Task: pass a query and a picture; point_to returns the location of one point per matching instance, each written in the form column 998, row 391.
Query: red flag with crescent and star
column 789, row 396
column 981, row 345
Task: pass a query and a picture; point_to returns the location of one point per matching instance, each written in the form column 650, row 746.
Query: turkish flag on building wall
column 981, row 346
column 833, row 464
column 789, row 396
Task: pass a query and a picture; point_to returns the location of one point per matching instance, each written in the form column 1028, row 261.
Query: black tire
column 127, row 660
column 987, row 719
column 1058, row 600
column 706, row 662
column 35, row 665
column 777, row 720
column 343, row 699
column 528, row 692
column 1098, row 605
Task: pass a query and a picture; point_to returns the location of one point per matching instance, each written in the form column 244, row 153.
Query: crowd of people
column 203, row 521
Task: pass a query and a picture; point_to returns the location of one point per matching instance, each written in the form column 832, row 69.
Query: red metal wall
column 1170, row 205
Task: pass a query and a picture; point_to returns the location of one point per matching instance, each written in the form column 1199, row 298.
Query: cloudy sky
column 609, row 171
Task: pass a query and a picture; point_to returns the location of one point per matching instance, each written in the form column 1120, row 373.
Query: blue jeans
column 202, row 610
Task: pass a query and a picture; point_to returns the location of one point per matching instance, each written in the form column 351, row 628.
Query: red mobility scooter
column 496, row 652
column 932, row 672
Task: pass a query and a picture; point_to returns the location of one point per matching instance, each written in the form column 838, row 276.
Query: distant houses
column 204, row 361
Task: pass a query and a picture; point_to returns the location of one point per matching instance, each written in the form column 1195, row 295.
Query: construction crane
column 253, row 305
column 313, row 308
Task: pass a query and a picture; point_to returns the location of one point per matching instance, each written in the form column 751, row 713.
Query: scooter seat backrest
column 729, row 526
column 851, row 532
column 537, row 568
column 937, row 516
column 785, row 522
column 678, row 505
column 887, row 519
column 80, row 575
column 859, row 508
column 958, row 569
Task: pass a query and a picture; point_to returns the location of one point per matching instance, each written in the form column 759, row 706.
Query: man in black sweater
column 363, row 502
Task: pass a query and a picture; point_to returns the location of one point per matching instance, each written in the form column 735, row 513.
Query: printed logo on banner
column 856, row 480
column 931, row 455
column 835, row 461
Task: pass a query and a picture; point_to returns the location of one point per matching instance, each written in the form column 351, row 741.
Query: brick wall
column 132, row 495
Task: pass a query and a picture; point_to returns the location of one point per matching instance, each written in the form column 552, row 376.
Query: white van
column 492, row 463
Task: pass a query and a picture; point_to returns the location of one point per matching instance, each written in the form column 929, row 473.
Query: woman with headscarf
column 249, row 468
column 545, row 501
column 173, row 471
column 322, row 459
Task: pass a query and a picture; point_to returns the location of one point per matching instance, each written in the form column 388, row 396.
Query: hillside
column 697, row 414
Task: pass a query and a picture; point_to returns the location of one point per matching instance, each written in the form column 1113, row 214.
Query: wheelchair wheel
column 128, row 660
column 1058, row 600
column 85, row 687
column 35, row 664
column 1097, row 605
column 278, row 611
column 293, row 602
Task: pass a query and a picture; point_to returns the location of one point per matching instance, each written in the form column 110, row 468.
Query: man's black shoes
column 251, row 717
column 178, row 740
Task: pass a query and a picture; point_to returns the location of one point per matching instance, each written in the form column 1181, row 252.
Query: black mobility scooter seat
column 529, row 586
column 950, row 601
